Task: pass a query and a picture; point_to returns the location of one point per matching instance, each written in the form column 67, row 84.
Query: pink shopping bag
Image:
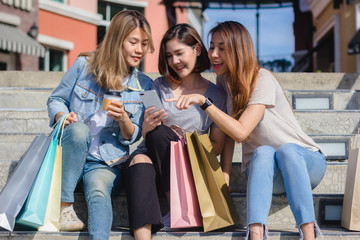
column 184, row 204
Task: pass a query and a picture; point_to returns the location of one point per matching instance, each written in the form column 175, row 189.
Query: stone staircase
column 23, row 115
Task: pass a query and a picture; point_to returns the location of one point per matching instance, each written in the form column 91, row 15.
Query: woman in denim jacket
column 96, row 142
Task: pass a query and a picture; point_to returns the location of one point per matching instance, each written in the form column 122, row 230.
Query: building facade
column 18, row 31
column 336, row 23
column 65, row 28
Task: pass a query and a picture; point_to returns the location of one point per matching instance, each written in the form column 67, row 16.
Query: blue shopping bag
column 18, row 186
column 32, row 214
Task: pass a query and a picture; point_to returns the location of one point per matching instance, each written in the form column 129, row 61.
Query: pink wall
column 82, row 34
column 89, row 5
column 155, row 13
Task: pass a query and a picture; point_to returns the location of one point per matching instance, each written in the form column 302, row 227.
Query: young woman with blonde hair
column 278, row 157
column 96, row 143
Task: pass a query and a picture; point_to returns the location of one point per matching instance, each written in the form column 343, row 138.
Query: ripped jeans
column 290, row 169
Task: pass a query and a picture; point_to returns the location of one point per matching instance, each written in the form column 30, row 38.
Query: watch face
column 207, row 103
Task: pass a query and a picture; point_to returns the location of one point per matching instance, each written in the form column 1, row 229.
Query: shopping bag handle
column 62, row 127
column 61, row 122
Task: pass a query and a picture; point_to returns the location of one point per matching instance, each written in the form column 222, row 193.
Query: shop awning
column 354, row 44
column 14, row 40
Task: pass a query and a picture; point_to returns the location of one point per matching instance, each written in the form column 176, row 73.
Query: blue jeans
column 99, row 179
column 290, row 169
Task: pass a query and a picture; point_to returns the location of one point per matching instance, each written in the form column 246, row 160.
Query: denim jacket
column 79, row 93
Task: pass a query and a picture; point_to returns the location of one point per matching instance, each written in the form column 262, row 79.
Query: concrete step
column 328, row 122
column 319, row 122
column 24, row 121
column 13, row 145
column 188, row 234
column 316, row 81
column 337, row 99
column 280, row 216
column 24, row 97
column 30, row 79
column 332, row 183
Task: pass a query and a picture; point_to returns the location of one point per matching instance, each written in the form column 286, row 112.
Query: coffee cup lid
column 113, row 93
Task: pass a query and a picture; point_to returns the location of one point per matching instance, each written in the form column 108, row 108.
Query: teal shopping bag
column 32, row 214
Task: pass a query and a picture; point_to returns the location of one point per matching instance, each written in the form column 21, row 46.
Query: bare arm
column 226, row 158
column 217, row 138
column 239, row 129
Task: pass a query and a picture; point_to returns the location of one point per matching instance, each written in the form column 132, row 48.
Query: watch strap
column 208, row 102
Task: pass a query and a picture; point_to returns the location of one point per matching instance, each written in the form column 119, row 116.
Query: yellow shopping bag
column 351, row 204
column 216, row 205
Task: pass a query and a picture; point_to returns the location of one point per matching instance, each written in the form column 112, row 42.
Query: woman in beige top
column 278, row 157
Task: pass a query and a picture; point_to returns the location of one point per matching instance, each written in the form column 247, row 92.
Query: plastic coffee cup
column 110, row 96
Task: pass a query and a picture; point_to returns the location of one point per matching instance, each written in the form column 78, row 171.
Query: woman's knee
column 140, row 158
column 77, row 132
column 262, row 162
column 158, row 134
column 286, row 150
column 98, row 188
column 263, row 155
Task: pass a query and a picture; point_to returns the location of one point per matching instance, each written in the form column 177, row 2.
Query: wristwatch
column 207, row 103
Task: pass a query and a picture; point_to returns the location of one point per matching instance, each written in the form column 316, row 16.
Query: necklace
column 137, row 82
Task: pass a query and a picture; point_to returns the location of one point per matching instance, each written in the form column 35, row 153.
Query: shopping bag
column 216, row 205
column 17, row 188
column 32, row 214
column 351, row 204
column 184, row 205
column 52, row 214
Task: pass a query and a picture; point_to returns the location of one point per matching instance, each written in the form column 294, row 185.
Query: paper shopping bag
column 17, row 188
column 216, row 205
column 351, row 204
column 184, row 205
column 32, row 214
column 52, row 215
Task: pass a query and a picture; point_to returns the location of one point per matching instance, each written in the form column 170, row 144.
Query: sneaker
column 69, row 221
column 166, row 220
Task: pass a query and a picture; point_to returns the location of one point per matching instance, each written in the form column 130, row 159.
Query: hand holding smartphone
column 151, row 99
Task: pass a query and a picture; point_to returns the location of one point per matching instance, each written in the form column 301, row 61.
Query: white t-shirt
column 96, row 123
column 278, row 124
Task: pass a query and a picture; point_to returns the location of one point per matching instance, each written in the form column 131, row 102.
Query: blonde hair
column 241, row 61
column 107, row 63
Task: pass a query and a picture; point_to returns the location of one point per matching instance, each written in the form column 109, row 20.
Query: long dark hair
column 185, row 34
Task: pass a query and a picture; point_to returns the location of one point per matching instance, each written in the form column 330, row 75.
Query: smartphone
column 151, row 99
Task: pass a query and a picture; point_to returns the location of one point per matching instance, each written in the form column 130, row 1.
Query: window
column 109, row 10
column 53, row 61
column 7, row 60
column 3, row 66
